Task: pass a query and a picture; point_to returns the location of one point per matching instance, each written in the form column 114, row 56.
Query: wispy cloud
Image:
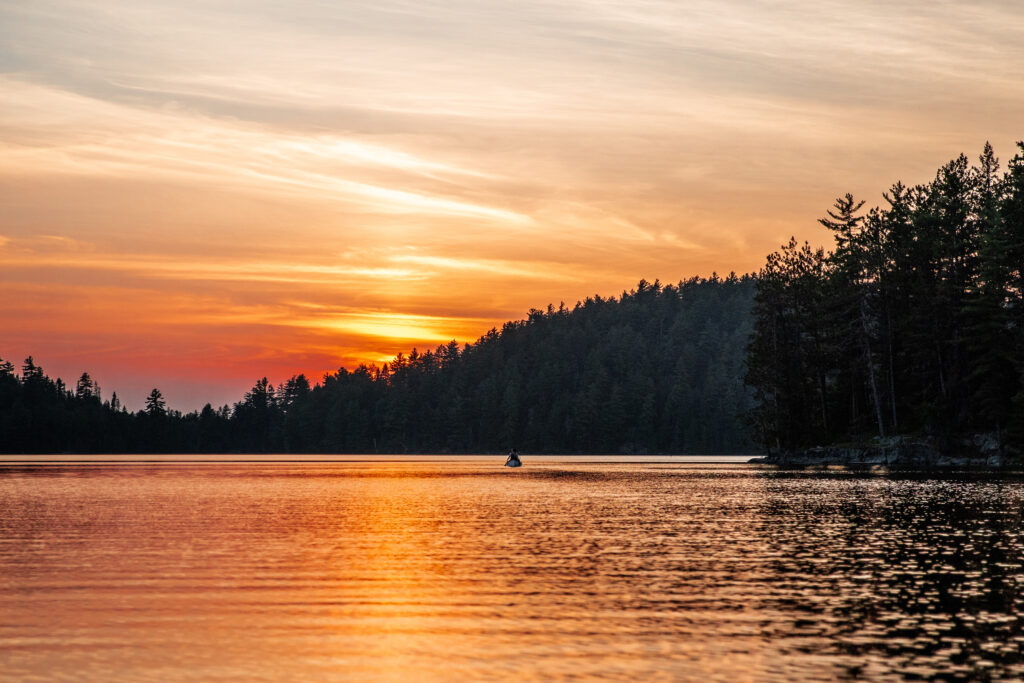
column 102, row 139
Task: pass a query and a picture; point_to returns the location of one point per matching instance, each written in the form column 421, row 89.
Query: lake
column 455, row 568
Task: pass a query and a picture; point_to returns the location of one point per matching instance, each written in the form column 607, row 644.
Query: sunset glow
column 193, row 196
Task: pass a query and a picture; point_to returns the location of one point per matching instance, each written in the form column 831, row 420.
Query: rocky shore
column 980, row 451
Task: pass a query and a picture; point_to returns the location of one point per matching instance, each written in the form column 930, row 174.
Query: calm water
column 461, row 569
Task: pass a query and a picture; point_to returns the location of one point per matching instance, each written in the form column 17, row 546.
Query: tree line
column 912, row 324
column 657, row 370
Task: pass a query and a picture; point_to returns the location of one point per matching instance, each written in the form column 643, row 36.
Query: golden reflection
column 459, row 568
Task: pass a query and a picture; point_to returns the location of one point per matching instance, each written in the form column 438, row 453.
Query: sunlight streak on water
column 461, row 569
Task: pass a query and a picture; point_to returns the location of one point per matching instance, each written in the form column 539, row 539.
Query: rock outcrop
column 979, row 451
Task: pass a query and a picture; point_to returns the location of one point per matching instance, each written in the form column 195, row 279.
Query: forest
column 913, row 324
column 658, row 369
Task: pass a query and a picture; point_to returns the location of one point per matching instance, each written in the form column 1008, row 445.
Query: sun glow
column 399, row 327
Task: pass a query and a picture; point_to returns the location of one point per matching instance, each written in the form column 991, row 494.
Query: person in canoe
column 513, row 459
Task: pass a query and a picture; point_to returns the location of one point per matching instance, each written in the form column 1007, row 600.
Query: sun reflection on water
column 461, row 569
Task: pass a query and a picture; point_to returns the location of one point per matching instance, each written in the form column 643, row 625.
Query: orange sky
column 195, row 194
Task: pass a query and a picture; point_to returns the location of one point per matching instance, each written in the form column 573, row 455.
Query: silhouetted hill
column 657, row 370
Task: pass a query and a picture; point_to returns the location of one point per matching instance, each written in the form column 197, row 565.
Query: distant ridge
column 657, row 370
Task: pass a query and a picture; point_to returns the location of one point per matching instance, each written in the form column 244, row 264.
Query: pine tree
column 858, row 274
column 85, row 387
column 156, row 406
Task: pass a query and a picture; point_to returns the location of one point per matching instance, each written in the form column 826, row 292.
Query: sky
column 194, row 195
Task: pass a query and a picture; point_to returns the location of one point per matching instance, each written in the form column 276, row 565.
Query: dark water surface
column 460, row 569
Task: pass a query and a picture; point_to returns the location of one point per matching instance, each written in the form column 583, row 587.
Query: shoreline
column 980, row 451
